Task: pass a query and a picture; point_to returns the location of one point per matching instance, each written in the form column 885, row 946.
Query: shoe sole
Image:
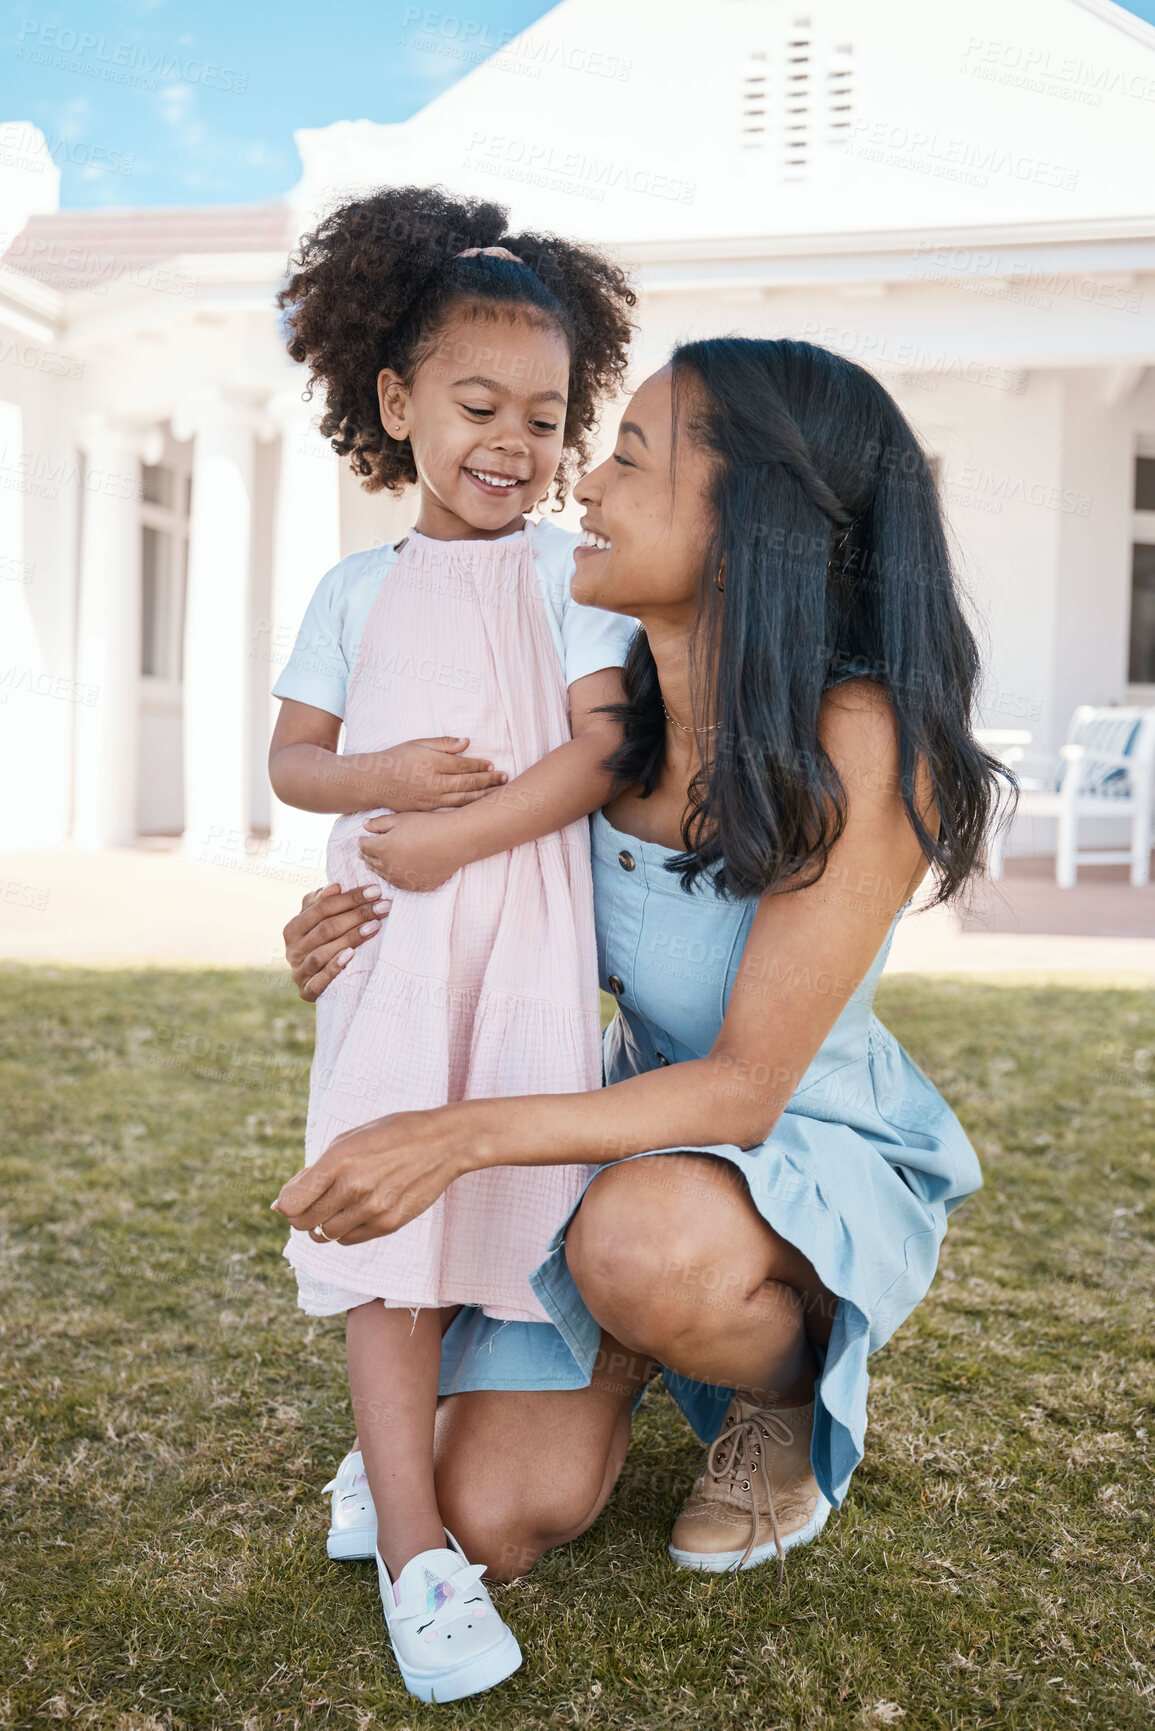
column 719, row 1562
column 484, row 1671
column 352, row 1544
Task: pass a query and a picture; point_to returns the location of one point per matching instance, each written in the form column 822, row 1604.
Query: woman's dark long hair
column 830, row 537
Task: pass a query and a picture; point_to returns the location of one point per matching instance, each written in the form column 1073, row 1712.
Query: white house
column 957, row 197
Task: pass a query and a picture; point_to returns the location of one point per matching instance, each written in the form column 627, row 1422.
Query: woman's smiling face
column 646, row 527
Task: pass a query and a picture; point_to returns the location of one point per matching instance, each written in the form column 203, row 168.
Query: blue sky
column 150, row 102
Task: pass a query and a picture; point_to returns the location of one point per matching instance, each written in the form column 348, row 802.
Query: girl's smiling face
column 646, row 528
column 485, row 417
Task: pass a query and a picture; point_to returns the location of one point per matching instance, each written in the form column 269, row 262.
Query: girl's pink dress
column 486, row 986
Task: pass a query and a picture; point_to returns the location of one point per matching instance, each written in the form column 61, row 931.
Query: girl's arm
column 418, row 853
column 805, row 955
column 307, row 771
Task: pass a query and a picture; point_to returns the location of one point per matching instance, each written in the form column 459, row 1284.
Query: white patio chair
column 1103, row 770
column 998, row 741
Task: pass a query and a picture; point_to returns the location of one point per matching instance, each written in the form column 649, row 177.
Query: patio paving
column 151, row 905
column 1025, row 923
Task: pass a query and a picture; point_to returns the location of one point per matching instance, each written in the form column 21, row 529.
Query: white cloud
column 175, row 103
column 73, row 119
column 259, row 153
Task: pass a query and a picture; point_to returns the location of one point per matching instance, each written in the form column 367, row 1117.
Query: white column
column 35, row 732
column 306, row 544
column 217, row 623
column 108, row 634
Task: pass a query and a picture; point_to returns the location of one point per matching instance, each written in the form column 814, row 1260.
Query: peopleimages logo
column 521, row 51
column 120, row 62
column 41, row 477
column 978, row 488
column 15, row 353
column 22, row 146
column 62, row 263
column 539, row 163
column 876, row 350
column 1005, row 277
column 970, row 160
column 1031, row 67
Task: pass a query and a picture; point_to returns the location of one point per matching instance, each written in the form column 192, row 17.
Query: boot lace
column 736, row 1458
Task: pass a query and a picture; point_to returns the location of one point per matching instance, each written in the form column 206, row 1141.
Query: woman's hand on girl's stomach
column 415, row 850
column 332, row 923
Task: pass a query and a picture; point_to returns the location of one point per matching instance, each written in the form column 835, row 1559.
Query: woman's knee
column 510, row 1515
column 491, row 1524
column 649, row 1233
column 508, row 1535
column 507, row 1552
column 616, row 1249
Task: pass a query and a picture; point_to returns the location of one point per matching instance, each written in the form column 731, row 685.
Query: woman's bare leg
column 518, row 1473
column 671, row 1254
column 394, row 1360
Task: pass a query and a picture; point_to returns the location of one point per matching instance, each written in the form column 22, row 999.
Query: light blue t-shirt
column 325, row 653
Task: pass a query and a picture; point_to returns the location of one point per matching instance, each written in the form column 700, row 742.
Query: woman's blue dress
column 860, row 1172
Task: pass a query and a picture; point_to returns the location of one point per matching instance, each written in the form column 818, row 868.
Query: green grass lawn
column 170, row 1416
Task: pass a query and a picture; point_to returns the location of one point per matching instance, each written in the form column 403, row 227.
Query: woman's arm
column 805, row 955
column 418, row 853
column 307, row 771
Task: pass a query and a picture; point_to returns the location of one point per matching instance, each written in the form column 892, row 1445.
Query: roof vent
column 795, row 97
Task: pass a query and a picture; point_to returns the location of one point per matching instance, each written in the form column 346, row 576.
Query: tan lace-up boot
column 757, row 1495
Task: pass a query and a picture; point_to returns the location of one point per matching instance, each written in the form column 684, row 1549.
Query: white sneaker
column 447, row 1635
column 353, row 1528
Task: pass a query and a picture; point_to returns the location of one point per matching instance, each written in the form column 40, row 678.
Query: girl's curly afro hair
column 378, row 278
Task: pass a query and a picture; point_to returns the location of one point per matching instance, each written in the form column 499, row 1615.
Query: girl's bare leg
column 394, row 1361
column 446, row 1316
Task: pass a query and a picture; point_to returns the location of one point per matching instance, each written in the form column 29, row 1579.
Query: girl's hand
column 414, row 850
column 332, row 923
column 427, row 774
column 373, row 1180
column 307, row 770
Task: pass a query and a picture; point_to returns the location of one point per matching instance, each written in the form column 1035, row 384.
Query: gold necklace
column 711, row 729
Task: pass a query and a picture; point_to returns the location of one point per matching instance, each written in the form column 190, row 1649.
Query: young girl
column 472, row 363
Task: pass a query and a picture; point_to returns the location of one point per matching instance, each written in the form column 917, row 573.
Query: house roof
column 1120, row 18
column 590, row 122
column 78, row 250
column 766, row 118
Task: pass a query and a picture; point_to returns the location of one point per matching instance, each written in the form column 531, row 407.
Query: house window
column 1142, row 668
column 160, row 647
column 164, row 552
column 1141, row 663
column 156, row 485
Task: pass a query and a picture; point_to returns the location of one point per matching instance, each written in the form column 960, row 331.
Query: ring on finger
column 320, row 1233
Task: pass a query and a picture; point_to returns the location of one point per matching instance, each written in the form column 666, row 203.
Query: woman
column 796, row 757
